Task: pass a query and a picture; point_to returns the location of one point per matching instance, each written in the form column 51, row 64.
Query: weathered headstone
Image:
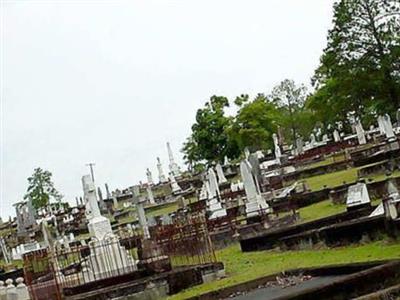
column 161, row 176
column 336, row 136
column 360, row 133
column 149, row 177
column 173, row 166
column 220, row 173
column 214, row 205
column 99, row 226
column 357, row 196
column 255, row 202
column 150, row 194
column 278, row 153
column 174, row 185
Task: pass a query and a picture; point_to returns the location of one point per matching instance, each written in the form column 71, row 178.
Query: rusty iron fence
column 186, row 241
column 40, row 276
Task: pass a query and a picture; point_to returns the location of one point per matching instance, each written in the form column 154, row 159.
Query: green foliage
column 254, row 123
column 209, row 139
column 359, row 68
column 294, row 118
column 41, row 189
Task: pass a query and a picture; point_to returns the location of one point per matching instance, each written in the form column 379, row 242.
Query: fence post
column 3, row 294
column 11, row 291
column 22, row 290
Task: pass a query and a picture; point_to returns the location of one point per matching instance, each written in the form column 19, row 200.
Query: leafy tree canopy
column 41, row 189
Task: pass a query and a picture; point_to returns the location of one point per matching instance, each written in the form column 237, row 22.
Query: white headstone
column 99, row 226
column 174, row 185
column 161, row 175
column 336, row 136
column 357, row 195
column 220, row 173
column 255, row 202
column 149, row 177
column 360, row 133
column 278, row 153
column 214, row 206
column 150, row 194
column 173, row 166
column 312, row 140
column 388, row 127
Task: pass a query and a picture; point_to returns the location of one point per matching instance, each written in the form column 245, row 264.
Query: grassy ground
column 324, row 209
column 335, row 179
column 241, row 267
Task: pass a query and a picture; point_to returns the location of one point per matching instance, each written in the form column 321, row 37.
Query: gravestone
column 149, row 177
column 336, row 136
column 299, row 145
column 246, row 152
column 214, row 206
column 357, row 196
column 220, row 173
column 98, row 226
column 312, row 140
column 387, row 126
column 176, row 189
column 173, row 166
column 278, row 153
column 255, row 166
column 107, row 191
column 150, row 194
column 360, row 133
column 142, row 217
column 161, row 176
column 255, row 202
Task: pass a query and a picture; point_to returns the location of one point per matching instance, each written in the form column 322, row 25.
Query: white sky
column 111, row 82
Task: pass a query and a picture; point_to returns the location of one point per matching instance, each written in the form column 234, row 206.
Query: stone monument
column 278, row 153
column 220, row 173
column 173, row 166
column 357, row 196
column 176, row 189
column 161, row 176
column 150, row 194
column 360, row 133
column 336, row 136
column 255, row 202
column 149, row 177
column 213, row 204
column 98, row 226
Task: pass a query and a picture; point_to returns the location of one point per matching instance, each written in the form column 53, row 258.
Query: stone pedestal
column 152, row 258
column 99, row 227
column 216, row 210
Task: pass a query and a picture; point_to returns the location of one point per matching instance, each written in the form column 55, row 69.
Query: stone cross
column 161, row 175
column 99, row 226
column 220, row 173
column 149, row 177
column 173, row 166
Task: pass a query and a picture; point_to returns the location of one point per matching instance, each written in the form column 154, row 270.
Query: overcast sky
column 111, row 82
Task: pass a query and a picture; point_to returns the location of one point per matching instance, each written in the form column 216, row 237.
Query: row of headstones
column 9, row 291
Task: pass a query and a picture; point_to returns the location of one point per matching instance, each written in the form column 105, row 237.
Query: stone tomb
column 357, row 196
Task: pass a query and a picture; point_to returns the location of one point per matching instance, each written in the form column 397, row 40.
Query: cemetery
column 294, row 194
column 169, row 235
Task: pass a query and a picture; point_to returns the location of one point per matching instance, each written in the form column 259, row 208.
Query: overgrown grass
column 241, row 267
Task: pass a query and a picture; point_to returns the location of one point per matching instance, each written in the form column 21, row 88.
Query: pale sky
column 111, row 82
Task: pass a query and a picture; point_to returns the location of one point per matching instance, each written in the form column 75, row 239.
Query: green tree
column 254, row 123
column 359, row 69
column 294, row 119
column 41, row 189
column 209, row 140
